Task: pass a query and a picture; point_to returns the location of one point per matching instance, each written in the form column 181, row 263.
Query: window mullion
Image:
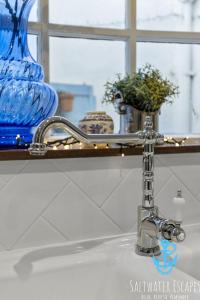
column 168, row 37
column 131, row 44
column 43, row 38
column 34, row 28
column 88, row 32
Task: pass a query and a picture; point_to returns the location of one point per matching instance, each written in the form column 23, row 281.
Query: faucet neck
column 148, row 176
column 148, row 164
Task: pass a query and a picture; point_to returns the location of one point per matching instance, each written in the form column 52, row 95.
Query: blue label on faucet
column 168, row 258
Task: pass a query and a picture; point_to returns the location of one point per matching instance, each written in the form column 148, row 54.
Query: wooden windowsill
column 6, row 155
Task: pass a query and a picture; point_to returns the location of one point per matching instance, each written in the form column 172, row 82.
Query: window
column 86, row 43
column 33, row 44
column 174, row 61
column 34, row 13
column 173, row 15
column 77, row 65
column 98, row 13
column 168, row 37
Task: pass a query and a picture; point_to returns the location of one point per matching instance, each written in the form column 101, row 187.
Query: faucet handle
column 178, row 234
column 180, row 237
column 172, row 231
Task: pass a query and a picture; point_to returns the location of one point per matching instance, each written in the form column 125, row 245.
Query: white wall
column 52, row 201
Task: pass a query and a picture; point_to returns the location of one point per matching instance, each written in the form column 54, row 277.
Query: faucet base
column 147, row 239
column 150, row 252
column 38, row 149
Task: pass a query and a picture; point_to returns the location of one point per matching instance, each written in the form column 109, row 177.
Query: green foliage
column 146, row 90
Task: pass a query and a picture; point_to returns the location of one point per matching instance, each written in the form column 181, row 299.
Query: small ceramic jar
column 97, row 123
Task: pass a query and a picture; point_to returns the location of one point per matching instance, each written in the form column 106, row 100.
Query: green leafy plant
column 146, row 90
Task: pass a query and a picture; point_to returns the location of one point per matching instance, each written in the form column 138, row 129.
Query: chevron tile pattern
column 53, row 201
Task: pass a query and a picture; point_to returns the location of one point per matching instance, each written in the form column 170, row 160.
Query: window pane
column 183, row 15
column 81, row 67
column 180, row 63
column 101, row 13
column 34, row 13
column 32, row 43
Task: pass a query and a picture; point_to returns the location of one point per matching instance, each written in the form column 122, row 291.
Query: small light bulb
column 95, row 147
column 177, row 145
column 66, row 147
column 107, row 146
column 123, row 155
column 54, row 148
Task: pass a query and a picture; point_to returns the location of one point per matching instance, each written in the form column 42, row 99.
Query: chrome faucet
column 150, row 226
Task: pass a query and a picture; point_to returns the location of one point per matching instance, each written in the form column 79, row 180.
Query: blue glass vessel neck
column 13, row 29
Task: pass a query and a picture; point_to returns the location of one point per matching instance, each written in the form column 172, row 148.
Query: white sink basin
column 189, row 253
column 105, row 269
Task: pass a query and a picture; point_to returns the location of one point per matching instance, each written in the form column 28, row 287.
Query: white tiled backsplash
column 53, row 201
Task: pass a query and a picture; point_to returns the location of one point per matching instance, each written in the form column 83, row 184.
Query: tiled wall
column 52, row 201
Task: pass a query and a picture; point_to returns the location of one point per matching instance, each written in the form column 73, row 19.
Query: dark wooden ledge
column 6, row 155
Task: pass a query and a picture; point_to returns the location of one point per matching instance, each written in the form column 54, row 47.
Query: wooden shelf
column 165, row 149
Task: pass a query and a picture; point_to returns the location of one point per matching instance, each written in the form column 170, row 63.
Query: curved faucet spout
column 66, row 125
column 39, row 148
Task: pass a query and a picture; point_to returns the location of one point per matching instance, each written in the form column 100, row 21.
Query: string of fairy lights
column 176, row 141
column 70, row 143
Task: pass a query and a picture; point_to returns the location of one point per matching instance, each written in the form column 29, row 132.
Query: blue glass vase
column 25, row 100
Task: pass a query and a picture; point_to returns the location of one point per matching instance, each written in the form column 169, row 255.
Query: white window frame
column 43, row 29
